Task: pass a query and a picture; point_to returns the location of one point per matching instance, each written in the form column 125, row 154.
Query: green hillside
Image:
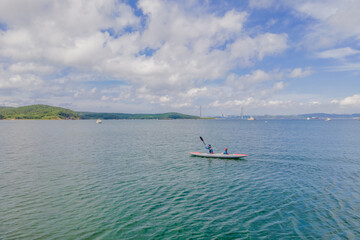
column 57, row 113
column 38, row 112
column 172, row 115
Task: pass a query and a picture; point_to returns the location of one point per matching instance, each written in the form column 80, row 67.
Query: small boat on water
column 98, row 121
column 328, row 119
column 218, row 155
column 251, row 119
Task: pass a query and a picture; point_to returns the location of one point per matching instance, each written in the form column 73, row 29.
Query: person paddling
column 226, row 151
column 210, row 149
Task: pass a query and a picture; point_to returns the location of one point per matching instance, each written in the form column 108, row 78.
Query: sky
column 152, row 56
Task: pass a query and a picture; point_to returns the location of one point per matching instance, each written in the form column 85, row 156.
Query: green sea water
column 134, row 179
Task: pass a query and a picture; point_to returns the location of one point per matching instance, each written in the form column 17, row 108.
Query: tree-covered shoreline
column 171, row 115
column 45, row 112
column 38, row 112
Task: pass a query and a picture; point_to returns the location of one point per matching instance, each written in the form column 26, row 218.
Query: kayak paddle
column 202, row 140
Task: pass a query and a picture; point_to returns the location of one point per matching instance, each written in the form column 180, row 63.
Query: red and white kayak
column 218, row 155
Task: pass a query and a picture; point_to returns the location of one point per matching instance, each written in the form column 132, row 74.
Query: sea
column 135, row 179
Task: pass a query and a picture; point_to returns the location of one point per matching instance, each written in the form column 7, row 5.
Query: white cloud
column 338, row 53
column 233, row 103
column 350, row 101
column 251, row 79
column 334, row 21
column 271, row 90
column 347, row 66
column 30, row 67
column 105, row 98
column 195, row 92
column 274, row 103
column 170, row 57
column 247, row 49
column 61, row 31
column 17, row 81
column 258, row 77
column 279, row 86
column 164, row 99
column 252, row 103
column 314, row 103
column 300, row 73
column 92, row 91
column 276, row 106
column 261, row 3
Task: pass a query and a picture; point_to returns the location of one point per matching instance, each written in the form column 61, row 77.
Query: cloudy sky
column 265, row 56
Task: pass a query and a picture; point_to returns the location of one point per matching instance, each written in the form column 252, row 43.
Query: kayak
column 218, row 155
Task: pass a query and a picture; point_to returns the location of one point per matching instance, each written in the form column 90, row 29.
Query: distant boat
column 328, row 119
column 98, row 121
column 307, row 118
column 251, row 119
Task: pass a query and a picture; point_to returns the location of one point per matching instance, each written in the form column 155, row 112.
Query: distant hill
column 38, row 112
column 171, row 115
column 311, row 116
column 326, row 115
column 294, row 117
column 56, row 113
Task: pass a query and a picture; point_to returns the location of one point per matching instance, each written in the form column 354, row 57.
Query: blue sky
column 265, row 56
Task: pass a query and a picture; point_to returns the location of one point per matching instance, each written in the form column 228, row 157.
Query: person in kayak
column 210, row 149
column 226, row 151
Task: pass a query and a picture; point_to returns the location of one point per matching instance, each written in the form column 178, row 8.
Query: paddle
column 202, row 140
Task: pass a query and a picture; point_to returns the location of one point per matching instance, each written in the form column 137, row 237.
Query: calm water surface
column 135, row 180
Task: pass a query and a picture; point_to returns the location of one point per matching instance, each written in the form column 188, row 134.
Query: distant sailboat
column 251, row 119
column 328, row 119
column 98, row 121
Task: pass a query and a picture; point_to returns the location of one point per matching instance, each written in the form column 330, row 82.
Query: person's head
column 225, row 149
column 209, row 145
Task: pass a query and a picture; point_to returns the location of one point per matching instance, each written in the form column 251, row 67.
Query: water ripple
column 135, row 180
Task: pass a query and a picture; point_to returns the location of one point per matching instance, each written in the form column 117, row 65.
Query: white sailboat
column 99, row 121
